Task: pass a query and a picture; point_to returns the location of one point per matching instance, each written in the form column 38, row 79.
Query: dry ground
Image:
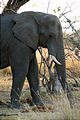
column 56, row 107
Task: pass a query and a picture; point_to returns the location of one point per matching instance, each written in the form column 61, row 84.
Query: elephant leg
column 19, row 61
column 33, row 80
column 19, row 74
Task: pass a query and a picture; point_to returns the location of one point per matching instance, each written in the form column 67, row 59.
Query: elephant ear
column 25, row 29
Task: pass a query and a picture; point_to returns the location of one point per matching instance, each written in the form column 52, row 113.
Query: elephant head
column 51, row 30
column 39, row 29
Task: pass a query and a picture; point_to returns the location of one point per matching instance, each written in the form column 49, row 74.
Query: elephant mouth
column 55, row 60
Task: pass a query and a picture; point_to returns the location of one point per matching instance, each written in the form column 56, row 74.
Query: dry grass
column 59, row 103
column 73, row 64
column 5, row 71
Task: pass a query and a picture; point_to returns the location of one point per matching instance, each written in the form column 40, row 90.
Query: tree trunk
column 12, row 6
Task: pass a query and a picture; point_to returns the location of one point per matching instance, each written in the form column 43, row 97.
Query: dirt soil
column 57, row 107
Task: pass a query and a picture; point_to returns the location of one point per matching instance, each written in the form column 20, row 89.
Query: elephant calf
column 21, row 34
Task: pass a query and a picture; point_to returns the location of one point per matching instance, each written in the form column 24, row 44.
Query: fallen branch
column 10, row 114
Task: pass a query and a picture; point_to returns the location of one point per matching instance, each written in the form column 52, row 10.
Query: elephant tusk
column 55, row 60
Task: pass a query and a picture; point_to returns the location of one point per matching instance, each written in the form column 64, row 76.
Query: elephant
column 21, row 35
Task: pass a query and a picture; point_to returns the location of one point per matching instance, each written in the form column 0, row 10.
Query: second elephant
column 21, row 34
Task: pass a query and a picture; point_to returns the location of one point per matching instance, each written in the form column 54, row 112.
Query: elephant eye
column 50, row 36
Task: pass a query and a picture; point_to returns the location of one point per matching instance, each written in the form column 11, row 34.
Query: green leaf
column 59, row 8
column 68, row 20
column 54, row 11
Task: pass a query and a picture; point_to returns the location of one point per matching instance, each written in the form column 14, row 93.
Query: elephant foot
column 36, row 100
column 38, row 103
column 16, row 104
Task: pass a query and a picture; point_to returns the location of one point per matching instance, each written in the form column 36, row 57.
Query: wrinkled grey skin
column 21, row 34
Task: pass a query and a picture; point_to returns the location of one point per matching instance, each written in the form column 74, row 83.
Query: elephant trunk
column 61, row 70
column 56, row 49
column 59, row 60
